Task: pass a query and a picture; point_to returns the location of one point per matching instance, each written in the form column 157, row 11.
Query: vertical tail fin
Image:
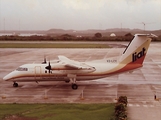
column 136, row 50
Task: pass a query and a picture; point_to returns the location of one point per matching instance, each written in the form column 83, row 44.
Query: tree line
column 67, row 37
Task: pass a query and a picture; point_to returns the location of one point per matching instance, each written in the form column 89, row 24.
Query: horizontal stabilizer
column 147, row 35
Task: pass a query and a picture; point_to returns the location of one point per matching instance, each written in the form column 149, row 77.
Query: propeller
column 48, row 67
column 44, row 60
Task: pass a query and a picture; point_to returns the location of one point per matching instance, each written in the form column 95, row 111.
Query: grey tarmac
column 140, row 86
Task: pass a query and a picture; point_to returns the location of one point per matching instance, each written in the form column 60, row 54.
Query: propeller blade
column 44, row 60
column 48, row 67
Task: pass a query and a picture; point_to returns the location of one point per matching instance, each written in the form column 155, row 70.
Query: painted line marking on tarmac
column 137, row 105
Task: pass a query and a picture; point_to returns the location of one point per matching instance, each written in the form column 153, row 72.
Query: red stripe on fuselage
column 131, row 65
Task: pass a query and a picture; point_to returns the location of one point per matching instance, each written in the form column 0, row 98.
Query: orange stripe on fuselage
column 127, row 67
column 131, row 65
column 116, row 70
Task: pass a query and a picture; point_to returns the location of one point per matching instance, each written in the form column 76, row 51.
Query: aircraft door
column 37, row 72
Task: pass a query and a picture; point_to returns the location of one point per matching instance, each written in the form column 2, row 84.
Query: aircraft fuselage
column 37, row 72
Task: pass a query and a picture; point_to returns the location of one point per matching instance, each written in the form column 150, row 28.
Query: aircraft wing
column 73, row 64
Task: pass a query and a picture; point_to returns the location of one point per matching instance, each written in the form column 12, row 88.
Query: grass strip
column 58, row 111
column 52, row 45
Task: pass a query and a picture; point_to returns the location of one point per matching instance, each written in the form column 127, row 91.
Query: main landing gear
column 74, row 86
column 72, row 78
column 15, row 84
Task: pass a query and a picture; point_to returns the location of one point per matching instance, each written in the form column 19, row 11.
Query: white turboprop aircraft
column 68, row 70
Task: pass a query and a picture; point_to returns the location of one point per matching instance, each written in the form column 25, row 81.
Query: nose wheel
column 15, row 84
column 74, row 86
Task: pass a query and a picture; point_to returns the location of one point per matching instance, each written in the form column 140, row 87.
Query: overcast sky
column 79, row 14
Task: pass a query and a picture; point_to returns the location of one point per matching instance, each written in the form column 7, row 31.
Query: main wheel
column 15, row 84
column 74, row 86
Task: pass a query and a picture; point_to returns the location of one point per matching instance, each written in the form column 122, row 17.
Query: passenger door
column 37, row 72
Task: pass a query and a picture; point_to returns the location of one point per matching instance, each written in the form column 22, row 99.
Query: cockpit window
column 22, row 69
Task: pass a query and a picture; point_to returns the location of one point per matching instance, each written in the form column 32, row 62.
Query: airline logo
column 136, row 56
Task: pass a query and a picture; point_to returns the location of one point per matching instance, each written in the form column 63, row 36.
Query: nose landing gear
column 15, row 84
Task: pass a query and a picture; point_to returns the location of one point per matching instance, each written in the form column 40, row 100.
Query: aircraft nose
column 7, row 77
